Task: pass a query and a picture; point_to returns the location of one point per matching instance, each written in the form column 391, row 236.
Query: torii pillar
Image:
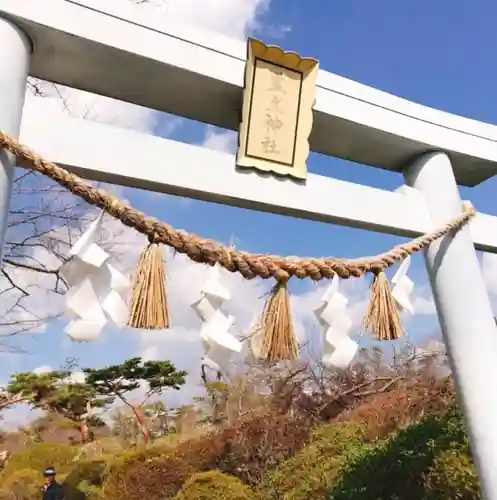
column 464, row 311
column 15, row 55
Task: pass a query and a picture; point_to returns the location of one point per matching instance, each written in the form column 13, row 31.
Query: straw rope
column 210, row 252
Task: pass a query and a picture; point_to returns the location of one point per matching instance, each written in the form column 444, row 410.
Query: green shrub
column 85, row 480
column 309, row 474
column 38, row 456
column 396, row 467
column 23, row 484
column 453, row 476
column 87, row 491
column 214, row 485
column 139, row 475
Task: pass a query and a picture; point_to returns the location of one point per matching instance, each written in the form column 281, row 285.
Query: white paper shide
column 338, row 348
column 402, row 287
column 97, row 291
column 219, row 344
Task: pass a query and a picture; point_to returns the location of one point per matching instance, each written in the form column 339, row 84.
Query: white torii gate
column 113, row 49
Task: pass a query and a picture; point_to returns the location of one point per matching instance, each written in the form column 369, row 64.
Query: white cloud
column 220, row 140
column 234, row 18
column 43, row 369
column 424, row 304
column 18, row 416
column 89, row 106
column 278, row 32
column 75, row 377
column 34, row 300
column 423, row 298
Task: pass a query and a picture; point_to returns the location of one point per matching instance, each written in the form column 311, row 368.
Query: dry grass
column 149, row 309
column 382, row 317
column 278, row 336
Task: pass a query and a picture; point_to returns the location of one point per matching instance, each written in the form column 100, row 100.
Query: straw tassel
column 149, row 309
column 382, row 317
column 278, row 337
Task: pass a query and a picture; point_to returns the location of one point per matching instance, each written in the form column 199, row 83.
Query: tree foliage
column 57, row 392
column 121, row 380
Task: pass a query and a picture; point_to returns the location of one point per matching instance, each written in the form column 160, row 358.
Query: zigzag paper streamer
column 338, row 348
column 97, row 291
column 403, row 287
column 219, row 344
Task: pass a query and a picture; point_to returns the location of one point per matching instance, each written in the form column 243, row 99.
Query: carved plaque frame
column 278, row 97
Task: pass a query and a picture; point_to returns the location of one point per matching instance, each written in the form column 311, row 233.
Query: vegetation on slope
column 376, row 432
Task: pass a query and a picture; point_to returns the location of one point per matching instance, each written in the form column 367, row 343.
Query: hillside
column 399, row 436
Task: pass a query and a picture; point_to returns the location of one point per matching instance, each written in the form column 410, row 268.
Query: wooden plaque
column 278, row 97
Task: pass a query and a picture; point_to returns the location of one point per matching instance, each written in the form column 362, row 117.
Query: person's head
column 49, row 475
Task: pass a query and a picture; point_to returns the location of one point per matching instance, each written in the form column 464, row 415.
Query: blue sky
column 438, row 53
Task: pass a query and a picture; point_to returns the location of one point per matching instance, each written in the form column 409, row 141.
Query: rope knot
column 377, row 268
column 153, row 237
column 282, row 277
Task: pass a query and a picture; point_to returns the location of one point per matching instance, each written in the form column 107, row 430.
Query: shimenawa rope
column 210, row 252
column 149, row 302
